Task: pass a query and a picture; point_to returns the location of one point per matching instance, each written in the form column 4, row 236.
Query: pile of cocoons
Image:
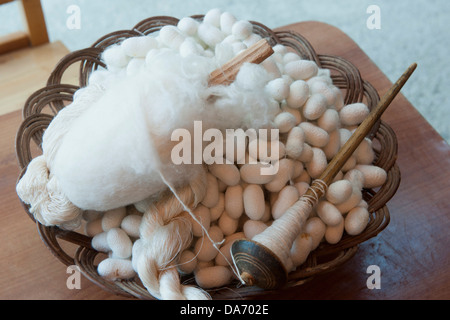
column 240, row 202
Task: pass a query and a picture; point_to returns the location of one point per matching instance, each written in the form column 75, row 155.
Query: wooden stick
column 363, row 129
column 260, row 262
column 257, row 53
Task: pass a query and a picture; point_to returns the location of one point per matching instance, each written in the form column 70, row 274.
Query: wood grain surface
column 412, row 252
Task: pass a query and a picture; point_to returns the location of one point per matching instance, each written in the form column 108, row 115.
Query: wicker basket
column 75, row 248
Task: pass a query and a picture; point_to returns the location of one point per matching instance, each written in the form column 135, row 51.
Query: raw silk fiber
column 108, row 154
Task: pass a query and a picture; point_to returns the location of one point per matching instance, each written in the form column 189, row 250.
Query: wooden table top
column 412, row 252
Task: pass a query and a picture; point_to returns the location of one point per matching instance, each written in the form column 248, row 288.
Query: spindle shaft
column 226, row 74
column 263, row 260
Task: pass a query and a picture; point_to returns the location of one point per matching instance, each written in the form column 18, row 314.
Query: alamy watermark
column 73, row 21
column 374, row 280
column 74, row 279
column 263, row 144
column 373, row 22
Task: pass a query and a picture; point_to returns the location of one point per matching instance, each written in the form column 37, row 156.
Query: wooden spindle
column 262, row 262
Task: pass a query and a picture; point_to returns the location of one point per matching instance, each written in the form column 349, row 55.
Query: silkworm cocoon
column 280, row 49
column 130, row 224
column 234, row 203
column 238, row 47
column 217, row 210
column 356, row 221
column 349, row 164
column 286, row 198
column 333, row 145
column 212, row 191
column 224, row 256
column 363, row 204
column 113, row 218
column 230, row 39
column 301, row 187
column 188, row 26
column 284, row 174
column 227, row 224
column 285, row 121
column 212, row 277
column 295, row 112
column 339, row 99
column 325, row 74
column 315, row 227
column 135, row 66
column 213, row 17
column 252, row 39
column 202, row 265
column 93, row 227
column 227, row 172
column 356, row 177
column 353, row 114
column 345, row 134
column 374, row 176
column 315, row 106
column 301, row 249
column 257, row 173
column 278, row 89
column 318, row 163
column 294, row 143
column 116, row 269
column 120, row 243
column 307, row 154
column 232, row 237
column 323, row 88
column 266, row 151
column 333, row 234
column 273, row 196
column 204, row 249
column 136, row 252
column 304, row 177
column 339, row 191
column 115, row 57
column 354, row 199
column 290, row 57
column 364, row 153
column 272, row 68
column 171, row 36
column 242, row 29
column 338, row 176
column 254, row 203
column 190, row 47
column 227, row 20
column 253, row 227
column 203, row 215
column 329, row 214
column 298, row 94
column 137, row 47
column 301, row 69
column 267, row 213
column 208, row 53
column 91, row 215
column 210, row 34
column 329, row 120
column 187, row 262
column 297, row 170
column 314, row 135
column 99, row 242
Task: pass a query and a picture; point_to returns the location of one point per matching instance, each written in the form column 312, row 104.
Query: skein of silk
column 165, row 233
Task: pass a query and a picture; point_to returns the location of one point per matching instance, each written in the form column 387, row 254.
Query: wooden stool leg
column 35, row 21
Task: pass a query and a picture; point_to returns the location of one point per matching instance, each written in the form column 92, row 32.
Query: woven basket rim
column 345, row 76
